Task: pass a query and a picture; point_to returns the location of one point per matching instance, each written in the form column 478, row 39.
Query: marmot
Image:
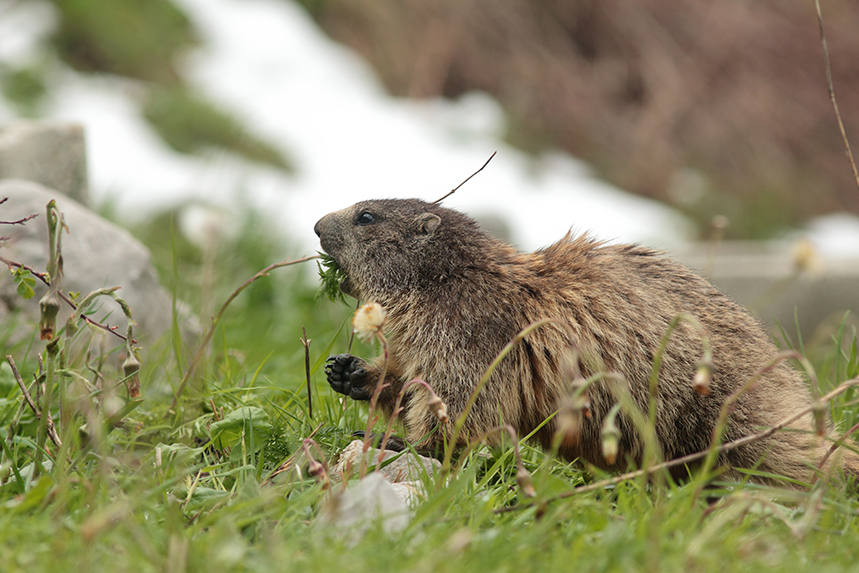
column 455, row 296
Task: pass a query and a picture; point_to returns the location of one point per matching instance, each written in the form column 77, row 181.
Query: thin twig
column 23, row 386
column 306, row 342
column 52, row 430
column 832, row 92
column 352, row 331
column 372, row 414
column 20, row 221
column 691, row 457
column 217, row 318
column 44, row 278
column 728, row 404
column 452, row 191
column 41, row 276
column 835, row 446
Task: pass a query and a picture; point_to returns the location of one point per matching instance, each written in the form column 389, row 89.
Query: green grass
column 188, row 489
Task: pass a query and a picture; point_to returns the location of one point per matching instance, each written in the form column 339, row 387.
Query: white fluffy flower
column 368, row 320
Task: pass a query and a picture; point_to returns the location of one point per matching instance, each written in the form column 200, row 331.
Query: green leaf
column 247, row 419
column 25, row 282
column 201, row 497
column 114, row 419
column 178, row 455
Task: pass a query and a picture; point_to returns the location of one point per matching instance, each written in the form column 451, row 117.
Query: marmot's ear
column 427, row 223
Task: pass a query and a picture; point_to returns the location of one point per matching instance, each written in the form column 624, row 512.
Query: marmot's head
column 388, row 247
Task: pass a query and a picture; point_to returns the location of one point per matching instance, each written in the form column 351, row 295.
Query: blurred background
column 674, row 123
column 707, row 107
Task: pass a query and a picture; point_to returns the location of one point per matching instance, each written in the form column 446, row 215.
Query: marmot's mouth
column 346, row 287
column 333, row 276
column 345, row 284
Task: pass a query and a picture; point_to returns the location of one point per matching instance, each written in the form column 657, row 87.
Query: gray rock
column 350, row 514
column 50, row 153
column 782, row 282
column 96, row 254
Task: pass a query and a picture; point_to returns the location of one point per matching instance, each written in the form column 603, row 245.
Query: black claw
column 394, row 443
column 359, row 394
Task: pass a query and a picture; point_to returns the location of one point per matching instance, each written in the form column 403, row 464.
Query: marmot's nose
column 320, row 225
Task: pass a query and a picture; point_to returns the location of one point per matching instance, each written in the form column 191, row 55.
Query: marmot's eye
column 365, row 218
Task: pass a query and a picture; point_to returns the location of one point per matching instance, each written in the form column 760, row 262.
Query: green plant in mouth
column 331, row 276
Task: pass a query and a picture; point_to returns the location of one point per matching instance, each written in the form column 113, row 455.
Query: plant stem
column 217, row 318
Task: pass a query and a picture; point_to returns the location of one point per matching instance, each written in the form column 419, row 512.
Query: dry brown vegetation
column 644, row 89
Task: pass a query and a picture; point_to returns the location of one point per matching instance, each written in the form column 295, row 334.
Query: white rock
column 373, row 500
column 407, row 468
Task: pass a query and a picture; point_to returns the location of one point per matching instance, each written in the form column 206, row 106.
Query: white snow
column 834, row 236
column 267, row 62
column 23, row 28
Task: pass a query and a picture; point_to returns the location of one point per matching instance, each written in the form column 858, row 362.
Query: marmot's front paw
column 346, row 375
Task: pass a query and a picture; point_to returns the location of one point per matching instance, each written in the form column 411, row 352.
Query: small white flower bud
column 523, row 480
column 701, row 382
column 439, row 408
column 610, row 436
column 610, row 442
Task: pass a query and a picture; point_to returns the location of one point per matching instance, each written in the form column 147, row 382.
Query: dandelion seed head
column 368, row 320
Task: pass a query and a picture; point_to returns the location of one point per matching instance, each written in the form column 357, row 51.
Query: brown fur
column 456, row 296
